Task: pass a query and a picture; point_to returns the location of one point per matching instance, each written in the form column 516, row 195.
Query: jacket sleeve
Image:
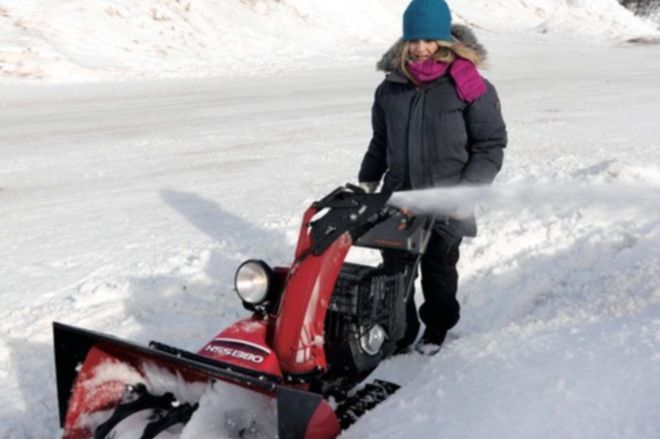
column 487, row 138
column 374, row 163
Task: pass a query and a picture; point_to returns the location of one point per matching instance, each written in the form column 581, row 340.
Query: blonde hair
column 447, row 52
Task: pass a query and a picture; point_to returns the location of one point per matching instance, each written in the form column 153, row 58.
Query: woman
column 436, row 123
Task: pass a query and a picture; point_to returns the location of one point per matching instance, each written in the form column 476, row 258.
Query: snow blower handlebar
column 347, row 209
column 368, row 219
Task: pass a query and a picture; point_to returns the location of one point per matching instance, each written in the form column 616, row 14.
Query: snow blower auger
column 318, row 328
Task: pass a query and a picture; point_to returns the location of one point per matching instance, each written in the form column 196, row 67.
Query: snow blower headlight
column 253, row 280
column 373, row 339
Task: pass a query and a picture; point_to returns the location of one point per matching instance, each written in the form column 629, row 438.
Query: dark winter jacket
column 426, row 136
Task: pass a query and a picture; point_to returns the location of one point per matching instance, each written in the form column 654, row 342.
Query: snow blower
column 317, row 329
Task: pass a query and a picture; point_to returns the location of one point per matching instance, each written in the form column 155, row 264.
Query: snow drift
column 123, row 39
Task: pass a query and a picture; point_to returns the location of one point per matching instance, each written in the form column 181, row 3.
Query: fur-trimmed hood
column 460, row 32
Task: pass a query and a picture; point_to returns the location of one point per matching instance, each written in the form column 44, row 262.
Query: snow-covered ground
column 126, row 206
column 55, row 40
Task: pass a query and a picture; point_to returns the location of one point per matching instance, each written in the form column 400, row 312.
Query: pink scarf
column 469, row 83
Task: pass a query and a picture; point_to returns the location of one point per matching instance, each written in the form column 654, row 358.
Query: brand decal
column 235, row 353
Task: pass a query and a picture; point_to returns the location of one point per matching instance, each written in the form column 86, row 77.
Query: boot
column 431, row 341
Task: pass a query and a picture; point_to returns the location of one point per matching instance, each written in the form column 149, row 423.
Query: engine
column 365, row 319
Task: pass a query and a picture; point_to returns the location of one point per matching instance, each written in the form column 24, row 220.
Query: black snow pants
column 440, row 310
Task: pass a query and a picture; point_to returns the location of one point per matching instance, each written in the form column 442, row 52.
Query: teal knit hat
column 427, row 20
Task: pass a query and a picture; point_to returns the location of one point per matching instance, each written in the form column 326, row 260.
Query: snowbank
column 122, row 39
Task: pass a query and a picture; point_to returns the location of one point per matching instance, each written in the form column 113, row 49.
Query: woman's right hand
column 368, row 186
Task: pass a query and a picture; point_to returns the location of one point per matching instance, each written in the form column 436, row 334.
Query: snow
column 63, row 41
column 127, row 204
column 251, row 412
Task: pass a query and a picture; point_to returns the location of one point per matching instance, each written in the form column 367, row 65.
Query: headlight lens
column 252, row 281
column 373, row 340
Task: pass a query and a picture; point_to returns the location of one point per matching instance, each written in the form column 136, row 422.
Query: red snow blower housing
column 317, row 329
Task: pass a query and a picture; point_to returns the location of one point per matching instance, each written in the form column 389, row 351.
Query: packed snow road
column 126, row 208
